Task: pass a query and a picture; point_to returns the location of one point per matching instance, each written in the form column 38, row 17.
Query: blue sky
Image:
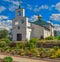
column 48, row 9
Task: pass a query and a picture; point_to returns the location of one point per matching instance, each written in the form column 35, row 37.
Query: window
column 19, row 13
column 16, row 23
column 18, row 27
column 22, row 21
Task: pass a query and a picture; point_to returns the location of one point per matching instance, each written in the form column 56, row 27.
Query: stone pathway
column 20, row 59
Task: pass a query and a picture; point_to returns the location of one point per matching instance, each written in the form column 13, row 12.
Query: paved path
column 20, row 59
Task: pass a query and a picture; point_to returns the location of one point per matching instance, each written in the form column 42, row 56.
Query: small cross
column 19, row 3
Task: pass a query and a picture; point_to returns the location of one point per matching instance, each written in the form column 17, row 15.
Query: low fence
column 43, row 43
column 48, row 43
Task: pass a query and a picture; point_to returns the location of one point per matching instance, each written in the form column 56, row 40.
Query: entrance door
column 19, row 37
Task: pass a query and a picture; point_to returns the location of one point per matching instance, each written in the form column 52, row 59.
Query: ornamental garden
column 38, row 48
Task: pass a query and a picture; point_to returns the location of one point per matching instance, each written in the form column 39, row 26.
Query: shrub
column 7, row 40
column 22, row 45
column 21, row 52
column 28, row 53
column 55, row 47
column 7, row 49
column 53, row 56
column 2, row 44
column 52, row 51
column 49, row 38
column 32, row 43
column 42, row 49
column 43, row 52
column 35, row 52
column 8, row 59
column 3, row 34
column 58, row 37
column 57, row 53
column 17, row 47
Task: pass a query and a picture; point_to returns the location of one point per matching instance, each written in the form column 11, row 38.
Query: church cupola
column 39, row 17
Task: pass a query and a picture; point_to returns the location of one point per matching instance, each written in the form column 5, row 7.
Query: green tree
column 3, row 34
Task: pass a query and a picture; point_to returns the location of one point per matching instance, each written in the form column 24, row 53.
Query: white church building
column 22, row 29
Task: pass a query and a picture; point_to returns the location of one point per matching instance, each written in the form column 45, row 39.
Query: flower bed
column 29, row 49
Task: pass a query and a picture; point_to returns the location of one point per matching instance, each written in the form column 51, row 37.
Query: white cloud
column 14, row 2
column 3, row 17
column 51, row 7
column 57, row 27
column 12, row 8
column 29, row 7
column 2, row 8
column 58, row 6
column 33, row 18
column 37, row 8
column 5, row 24
column 55, row 6
column 55, row 17
column 43, row 7
column 40, row 7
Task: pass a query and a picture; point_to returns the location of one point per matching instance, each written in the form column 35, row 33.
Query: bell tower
column 19, row 24
column 20, row 11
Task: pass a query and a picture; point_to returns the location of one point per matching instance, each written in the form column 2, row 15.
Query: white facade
column 23, row 30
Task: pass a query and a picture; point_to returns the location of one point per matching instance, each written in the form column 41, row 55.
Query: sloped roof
column 42, row 23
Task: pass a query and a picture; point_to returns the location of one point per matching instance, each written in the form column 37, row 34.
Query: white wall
column 37, row 31
column 22, row 29
column 28, row 30
column 46, row 33
column 22, row 11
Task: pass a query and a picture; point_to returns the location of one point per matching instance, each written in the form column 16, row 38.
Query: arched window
column 22, row 21
column 18, row 27
column 20, row 13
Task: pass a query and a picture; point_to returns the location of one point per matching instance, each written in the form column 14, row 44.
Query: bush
column 43, row 52
column 35, row 52
column 53, row 56
column 8, row 59
column 49, row 38
column 21, row 52
column 32, row 43
column 55, row 47
column 22, row 45
column 2, row 44
column 28, row 53
column 7, row 40
column 52, row 51
column 57, row 53
column 7, row 49
column 58, row 37
column 17, row 47
column 3, row 34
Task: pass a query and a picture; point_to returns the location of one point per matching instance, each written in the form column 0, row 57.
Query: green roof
column 42, row 23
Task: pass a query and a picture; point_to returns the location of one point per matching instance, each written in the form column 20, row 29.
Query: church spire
column 19, row 3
